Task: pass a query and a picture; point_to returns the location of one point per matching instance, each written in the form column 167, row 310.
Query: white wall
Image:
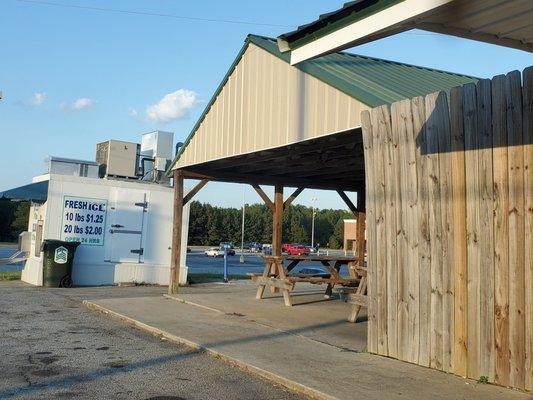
column 93, row 264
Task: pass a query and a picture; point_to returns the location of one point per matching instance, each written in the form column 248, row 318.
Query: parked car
column 231, row 252
column 254, row 247
column 214, row 252
column 229, row 248
column 294, row 249
column 266, row 249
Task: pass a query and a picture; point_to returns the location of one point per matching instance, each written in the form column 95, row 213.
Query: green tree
column 7, row 210
column 20, row 218
column 210, row 225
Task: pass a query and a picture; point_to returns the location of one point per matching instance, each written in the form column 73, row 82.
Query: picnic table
column 276, row 276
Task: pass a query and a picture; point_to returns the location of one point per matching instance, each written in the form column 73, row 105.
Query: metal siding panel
column 268, row 103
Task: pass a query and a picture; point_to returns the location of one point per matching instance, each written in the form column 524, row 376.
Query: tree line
column 13, row 219
column 210, row 225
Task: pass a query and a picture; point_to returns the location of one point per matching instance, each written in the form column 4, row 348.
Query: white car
column 214, row 252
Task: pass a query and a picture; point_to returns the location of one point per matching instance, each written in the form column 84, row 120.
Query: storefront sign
column 84, row 220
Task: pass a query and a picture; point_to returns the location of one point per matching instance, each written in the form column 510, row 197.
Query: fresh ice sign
column 84, row 220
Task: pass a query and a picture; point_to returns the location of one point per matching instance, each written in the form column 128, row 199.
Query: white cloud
column 38, row 98
column 78, row 104
column 81, row 103
column 133, row 112
column 172, row 106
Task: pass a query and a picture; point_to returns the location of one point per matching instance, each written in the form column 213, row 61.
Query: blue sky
column 72, row 77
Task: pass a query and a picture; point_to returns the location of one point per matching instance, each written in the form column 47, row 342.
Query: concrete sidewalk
column 291, row 356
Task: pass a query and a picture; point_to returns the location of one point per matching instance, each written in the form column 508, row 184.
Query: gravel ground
column 55, row 348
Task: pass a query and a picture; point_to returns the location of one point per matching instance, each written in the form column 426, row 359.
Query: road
column 199, row 263
column 55, row 348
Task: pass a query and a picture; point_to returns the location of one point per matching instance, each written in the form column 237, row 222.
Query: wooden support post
column 264, row 196
column 194, row 190
column 277, row 220
column 291, row 198
column 176, row 234
column 348, row 202
column 361, row 227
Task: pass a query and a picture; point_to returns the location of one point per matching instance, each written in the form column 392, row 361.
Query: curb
column 270, row 376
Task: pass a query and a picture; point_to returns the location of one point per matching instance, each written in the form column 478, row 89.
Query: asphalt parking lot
column 55, row 348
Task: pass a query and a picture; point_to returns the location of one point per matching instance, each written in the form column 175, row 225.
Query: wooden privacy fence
column 450, row 229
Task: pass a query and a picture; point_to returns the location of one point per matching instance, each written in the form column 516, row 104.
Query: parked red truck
column 294, row 249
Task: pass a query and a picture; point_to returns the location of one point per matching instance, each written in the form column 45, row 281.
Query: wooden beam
column 348, row 202
column 264, row 196
column 176, row 234
column 194, row 190
column 329, row 183
column 277, row 220
column 291, row 198
column 361, row 228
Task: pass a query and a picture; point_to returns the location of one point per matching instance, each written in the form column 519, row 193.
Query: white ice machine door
column 127, row 216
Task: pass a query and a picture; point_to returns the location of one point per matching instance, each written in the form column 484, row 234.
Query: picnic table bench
column 276, row 276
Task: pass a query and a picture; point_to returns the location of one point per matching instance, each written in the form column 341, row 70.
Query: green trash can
column 57, row 263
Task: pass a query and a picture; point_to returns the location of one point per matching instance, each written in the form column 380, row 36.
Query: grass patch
column 483, row 379
column 210, row 277
column 10, row 275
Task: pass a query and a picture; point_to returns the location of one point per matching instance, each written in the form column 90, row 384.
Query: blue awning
column 37, row 192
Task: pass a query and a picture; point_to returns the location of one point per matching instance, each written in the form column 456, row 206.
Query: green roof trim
column 350, row 12
column 372, row 81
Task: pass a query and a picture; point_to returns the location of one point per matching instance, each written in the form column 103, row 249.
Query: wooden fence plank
column 390, row 154
column 527, row 116
column 366, row 124
column 501, row 231
column 445, row 180
column 472, row 220
column 485, row 232
column 410, row 205
column 516, row 229
column 435, row 229
column 424, row 256
column 459, row 363
column 380, row 124
column 397, row 314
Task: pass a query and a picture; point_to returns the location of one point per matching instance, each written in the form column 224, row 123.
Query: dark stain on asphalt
column 48, row 360
column 103, row 348
column 165, row 398
column 44, row 352
column 45, row 372
column 117, row 364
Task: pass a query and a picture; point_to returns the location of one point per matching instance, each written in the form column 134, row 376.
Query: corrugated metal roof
column 373, row 81
column 350, row 12
column 501, row 22
column 37, row 191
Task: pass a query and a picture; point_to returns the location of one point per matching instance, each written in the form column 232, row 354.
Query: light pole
column 241, row 260
column 313, row 200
